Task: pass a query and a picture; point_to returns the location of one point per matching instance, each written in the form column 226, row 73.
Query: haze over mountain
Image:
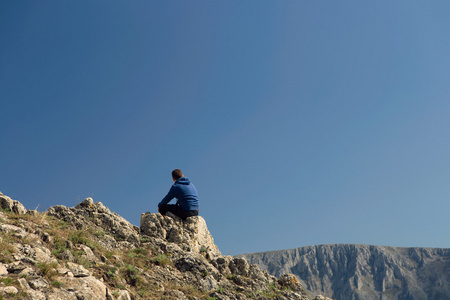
column 363, row 272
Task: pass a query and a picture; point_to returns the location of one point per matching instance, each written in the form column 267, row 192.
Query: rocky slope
column 88, row 252
column 364, row 272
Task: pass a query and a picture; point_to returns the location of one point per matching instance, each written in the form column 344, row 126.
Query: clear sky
column 299, row 122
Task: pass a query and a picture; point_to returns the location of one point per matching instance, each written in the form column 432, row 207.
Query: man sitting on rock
column 186, row 194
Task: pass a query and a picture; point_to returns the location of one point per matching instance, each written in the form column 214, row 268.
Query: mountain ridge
column 369, row 272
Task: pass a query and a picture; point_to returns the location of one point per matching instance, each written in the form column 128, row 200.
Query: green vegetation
column 162, row 260
column 47, row 269
column 57, row 284
column 7, row 281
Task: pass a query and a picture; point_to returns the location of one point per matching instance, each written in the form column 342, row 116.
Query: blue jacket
column 185, row 192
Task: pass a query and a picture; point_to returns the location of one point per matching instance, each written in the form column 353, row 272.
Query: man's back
column 186, row 193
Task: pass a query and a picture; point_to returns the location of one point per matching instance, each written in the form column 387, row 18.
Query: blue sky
column 299, row 122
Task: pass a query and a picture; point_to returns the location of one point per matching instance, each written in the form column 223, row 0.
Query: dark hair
column 176, row 174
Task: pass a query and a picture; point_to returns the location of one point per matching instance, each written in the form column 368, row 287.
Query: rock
column 37, row 295
column 8, row 290
column 33, row 212
column 38, row 284
column 88, row 254
column 43, row 255
column 78, row 270
column 16, row 267
column 27, row 271
column 174, row 294
column 88, row 202
column 3, row 270
column 209, row 283
column 320, row 297
column 13, row 230
column 83, row 288
column 86, row 212
column 67, row 255
column 191, row 234
column 239, row 266
column 290, row 281
column 12, row 205
column 196, row 264
column 123, row 295
column 23, row 284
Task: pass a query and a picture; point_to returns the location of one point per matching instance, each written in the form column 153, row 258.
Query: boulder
column 290, row 281
column 12, row 205
column 191, row 234
column 78, row 270
column 3, row 270
column 8, row 290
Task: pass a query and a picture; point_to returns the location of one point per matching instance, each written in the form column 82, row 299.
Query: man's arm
column 170, row 195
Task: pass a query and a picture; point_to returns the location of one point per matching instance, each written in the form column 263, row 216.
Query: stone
column 67, row 255
column 12, row 205
column 239, row 266
column 78, row 270
column 16, row 267
column 3, row 270
column 27, row 271
column 38, row 284
column 13, row 230
column 82, row 288
column 23, row 284
column 123, row 295
column 209, row 283
column 191, row 234
column 8, row 290
column 88, row 254
column 320, row 297
column 43, row 255
column 174, row 294
column 290, row 281
column 37, row 295
column 33, row 212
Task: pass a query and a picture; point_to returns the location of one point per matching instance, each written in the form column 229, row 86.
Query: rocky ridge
column 363, row 272
column 89, row 252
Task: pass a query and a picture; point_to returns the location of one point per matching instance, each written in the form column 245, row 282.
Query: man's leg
column 177, row 211
column 189, row 213
column 173, row 208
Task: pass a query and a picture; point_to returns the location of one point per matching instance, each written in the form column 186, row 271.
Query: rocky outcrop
column 87, row 212
column 8, row 204
column 362, row 271
column 191, row 234
column 89, row 252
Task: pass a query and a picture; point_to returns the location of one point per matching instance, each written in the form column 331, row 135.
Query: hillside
column 363, row 272
column 88, row 252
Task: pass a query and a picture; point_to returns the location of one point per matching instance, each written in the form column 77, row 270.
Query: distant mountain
column 363, row 272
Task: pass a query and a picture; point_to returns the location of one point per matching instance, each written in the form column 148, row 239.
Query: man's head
column 176, row 174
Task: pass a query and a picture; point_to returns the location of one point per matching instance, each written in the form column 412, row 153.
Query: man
column 186, row 194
